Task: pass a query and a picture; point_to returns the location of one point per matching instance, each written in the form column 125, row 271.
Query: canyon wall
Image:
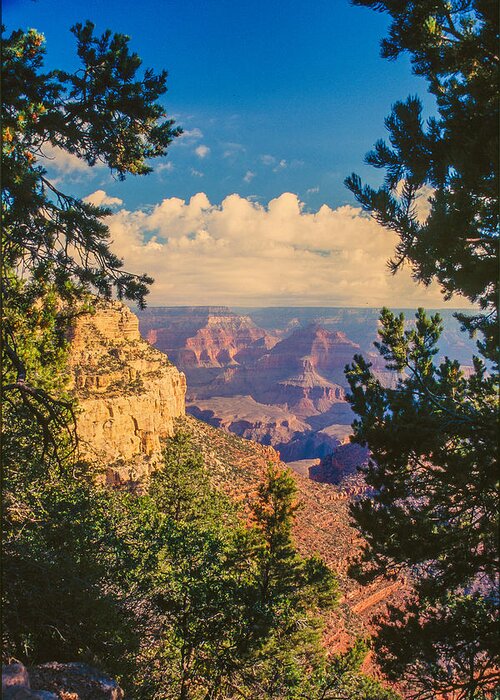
column 128, row 393
column 265, row 385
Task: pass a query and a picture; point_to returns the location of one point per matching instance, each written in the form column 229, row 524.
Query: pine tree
column 58, row 533
column 433, row 438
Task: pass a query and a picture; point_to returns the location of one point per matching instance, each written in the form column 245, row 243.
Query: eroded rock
column 128, row 392
column 74, row 681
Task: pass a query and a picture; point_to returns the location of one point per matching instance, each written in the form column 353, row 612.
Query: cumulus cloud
column 65, row 163
column 99, row 198
column 249, row 176
column 202, row 151
column 243, row 253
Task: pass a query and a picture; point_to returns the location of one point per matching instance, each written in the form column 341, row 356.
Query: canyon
column 128, row 393
column 276, row 375
column 282, row 387
column 131, row 400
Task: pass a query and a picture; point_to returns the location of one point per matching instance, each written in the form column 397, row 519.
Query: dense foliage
column 433, row 438
column 170, row 591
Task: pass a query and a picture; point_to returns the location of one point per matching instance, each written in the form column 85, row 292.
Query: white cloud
column 243, row 253
column 66, row 163
column 202, row 151
column 281, row 165
column 422, row 204
column 249, row 176
column 190, row 135
column 196, row 173
column 164, row 167
column 268, row 160
column 99, row 198
column 312, row 190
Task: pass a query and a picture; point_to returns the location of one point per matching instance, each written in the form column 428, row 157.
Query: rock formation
column 57, row 681
column 327, row 352
column 128, row 393
column 341, row 463
column 203, row 336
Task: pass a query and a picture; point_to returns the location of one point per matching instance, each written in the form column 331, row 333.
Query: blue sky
column 287, row 95
column 280, row 100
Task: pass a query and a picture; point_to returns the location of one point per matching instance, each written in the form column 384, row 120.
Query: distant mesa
column 204, row 336
column 270, row 385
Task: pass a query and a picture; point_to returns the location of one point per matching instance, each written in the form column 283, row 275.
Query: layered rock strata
column 129, row 394
column 268, row 387
column 204, row 336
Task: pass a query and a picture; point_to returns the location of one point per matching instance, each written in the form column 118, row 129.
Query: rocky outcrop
column 344, row 461
column 327, row 352
column 204, row 336
column 57, row 681
column 297, row 373
column 128, row 393
column 243, row 416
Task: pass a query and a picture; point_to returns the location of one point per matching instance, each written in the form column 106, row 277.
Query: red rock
column 203, row 336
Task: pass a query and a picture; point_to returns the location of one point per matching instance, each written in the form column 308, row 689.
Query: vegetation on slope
column 434, row 437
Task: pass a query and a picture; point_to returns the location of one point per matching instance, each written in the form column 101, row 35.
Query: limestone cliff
column 128, row 392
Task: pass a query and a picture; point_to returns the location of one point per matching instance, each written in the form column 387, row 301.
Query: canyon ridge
column 276, row 375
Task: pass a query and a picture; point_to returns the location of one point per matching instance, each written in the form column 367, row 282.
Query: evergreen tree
column 454, row 45
column 234, row 601
column 433, row 438
column 230, row 609
column 55, row 247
